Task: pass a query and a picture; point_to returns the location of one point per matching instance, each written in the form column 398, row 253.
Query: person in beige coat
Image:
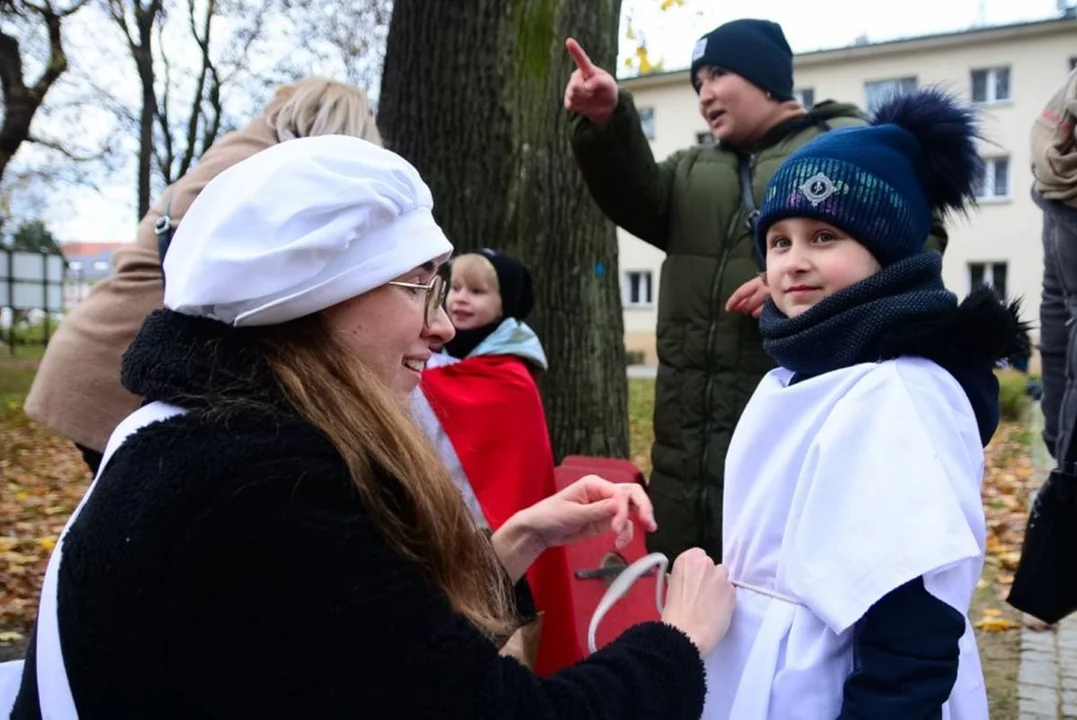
column 77, row 391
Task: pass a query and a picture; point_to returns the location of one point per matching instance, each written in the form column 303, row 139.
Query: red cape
column 491, row 411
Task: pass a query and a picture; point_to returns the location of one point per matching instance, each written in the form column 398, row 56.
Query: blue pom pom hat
column 882, row 183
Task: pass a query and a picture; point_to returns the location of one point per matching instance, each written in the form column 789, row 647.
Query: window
column 704, row 138
column 646, row 121
column 995, row 182
column 805, row 97
column 989, row 274
column 637, row 288
column 100, row 265
column 881, row 90
column 991, row 85
column 75, row 265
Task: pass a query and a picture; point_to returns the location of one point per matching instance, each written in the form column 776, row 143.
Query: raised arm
column 613, row 154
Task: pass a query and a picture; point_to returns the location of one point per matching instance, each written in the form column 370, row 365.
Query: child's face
column 808, row 260
column 472, row 305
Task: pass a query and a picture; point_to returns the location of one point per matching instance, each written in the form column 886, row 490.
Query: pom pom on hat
column 882, row 183
column 297, row 228
column 946, row 133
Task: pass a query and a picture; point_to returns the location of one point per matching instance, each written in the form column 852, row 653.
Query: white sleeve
column 890, row 492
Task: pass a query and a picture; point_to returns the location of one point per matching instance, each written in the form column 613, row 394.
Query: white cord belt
column 655, row 561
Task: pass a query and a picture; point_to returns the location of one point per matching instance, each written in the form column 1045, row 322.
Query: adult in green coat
column 691, row 205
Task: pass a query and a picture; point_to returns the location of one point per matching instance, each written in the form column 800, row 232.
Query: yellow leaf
column 47, row 542
column 22, row 496
column 1004, row 579
column 995, row 624
column 992, row 612
column 10, row 637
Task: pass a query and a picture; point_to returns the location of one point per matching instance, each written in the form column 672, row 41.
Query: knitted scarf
column 847, row 327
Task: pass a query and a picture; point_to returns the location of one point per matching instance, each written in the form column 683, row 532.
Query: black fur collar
column 197, row 363
column 981, row 329
column 969, row 342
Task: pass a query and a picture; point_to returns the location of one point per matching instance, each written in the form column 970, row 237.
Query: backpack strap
column 163, row 228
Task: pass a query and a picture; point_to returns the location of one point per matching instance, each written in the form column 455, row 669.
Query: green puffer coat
column 710, row 360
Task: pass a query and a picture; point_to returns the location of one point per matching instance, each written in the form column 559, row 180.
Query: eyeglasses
column 436, row 290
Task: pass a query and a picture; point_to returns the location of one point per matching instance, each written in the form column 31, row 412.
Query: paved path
column 642, row 371
column 1047, row 681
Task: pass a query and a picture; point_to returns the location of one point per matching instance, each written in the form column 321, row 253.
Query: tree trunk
column 143, row 56
column 473, row 98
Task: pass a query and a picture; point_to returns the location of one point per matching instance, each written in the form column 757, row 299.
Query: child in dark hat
column 853, row 518
column 481, row 408
column 490, row 296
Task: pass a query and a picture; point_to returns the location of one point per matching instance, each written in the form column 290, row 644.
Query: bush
column 28, row 333
column 1013, row 401
column 634, row 357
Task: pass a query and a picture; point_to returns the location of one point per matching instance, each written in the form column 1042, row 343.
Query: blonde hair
column 318, row 106
column 475, row 271
column 403, row 484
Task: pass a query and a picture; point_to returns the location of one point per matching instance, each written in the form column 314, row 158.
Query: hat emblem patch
column 818, row 188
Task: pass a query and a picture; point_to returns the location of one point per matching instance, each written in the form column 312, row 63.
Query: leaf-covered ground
column 42, row 478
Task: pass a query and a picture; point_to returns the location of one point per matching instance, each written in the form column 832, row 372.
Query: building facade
column 86, row 264
column 1008, row 71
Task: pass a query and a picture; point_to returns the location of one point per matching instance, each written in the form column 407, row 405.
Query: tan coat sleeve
column 77, row 391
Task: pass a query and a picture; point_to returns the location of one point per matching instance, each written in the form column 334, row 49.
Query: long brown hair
column 402, row 482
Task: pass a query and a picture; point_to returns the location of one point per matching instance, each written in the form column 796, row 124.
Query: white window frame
column 646, row 121
column 989, row 267
column 990, row 167
column 877, row 91
column 626, row 289
column 991, row 85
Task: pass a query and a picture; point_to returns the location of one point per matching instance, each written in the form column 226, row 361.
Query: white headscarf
column 297, row 228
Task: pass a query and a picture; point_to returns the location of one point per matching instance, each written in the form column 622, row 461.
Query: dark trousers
column 1058, row 324
column 92, row 458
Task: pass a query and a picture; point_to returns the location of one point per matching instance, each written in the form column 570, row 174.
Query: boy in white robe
column 852, row 520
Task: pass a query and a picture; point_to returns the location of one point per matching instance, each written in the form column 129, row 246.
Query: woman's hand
column 699, row 599
column 588, row 507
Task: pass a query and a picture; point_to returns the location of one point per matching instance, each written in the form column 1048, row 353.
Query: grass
column 999, row 650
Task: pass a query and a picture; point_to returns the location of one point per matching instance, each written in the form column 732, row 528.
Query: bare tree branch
column 196, row 111
column 22, row 101
column 64, row 150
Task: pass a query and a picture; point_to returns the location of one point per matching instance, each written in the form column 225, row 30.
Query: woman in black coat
column 287, row 544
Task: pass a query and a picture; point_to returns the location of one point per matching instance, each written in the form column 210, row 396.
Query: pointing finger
column 587, row 68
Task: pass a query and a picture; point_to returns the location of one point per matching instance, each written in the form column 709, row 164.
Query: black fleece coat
column 225, row 567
